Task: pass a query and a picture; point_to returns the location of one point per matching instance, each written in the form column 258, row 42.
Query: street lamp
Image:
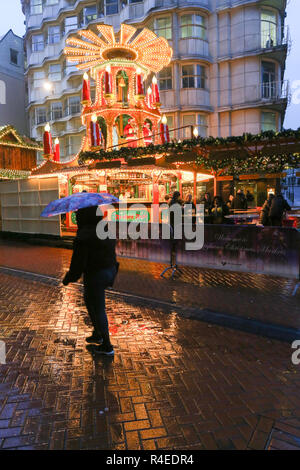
column 48, row 86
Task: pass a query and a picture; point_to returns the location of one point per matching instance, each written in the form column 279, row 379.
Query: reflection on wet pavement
column 174, row 383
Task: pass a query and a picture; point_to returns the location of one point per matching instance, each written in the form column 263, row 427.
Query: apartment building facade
column 226, row 75
column 12, row 83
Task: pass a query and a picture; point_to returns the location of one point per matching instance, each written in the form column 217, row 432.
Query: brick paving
column 265, row 298
column 174, row 383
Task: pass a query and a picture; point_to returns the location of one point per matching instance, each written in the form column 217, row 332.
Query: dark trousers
column 94, row 296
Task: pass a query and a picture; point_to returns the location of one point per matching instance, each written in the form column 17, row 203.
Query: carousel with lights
column 123, row 112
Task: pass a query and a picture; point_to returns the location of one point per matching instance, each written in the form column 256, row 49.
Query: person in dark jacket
column 277, row 209
column 96, row 260
column 264, row 218
column 239, row 202
column 206, row 200
column 218, row 211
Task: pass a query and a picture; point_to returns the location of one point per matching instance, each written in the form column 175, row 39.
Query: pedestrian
column 264, row 218
column 249, row 196
column 229, row 201
column 206, row 201
column 277, row 210
column 176, row 199
column 218, row 211
column 239, row 202
column 96, row 260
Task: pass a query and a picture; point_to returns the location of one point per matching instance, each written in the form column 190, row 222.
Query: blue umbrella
column 77, row 201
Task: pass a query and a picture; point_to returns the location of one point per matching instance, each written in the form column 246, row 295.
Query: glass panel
column 90, row 13
column 36, row 7
column 202, row 125
column 164, row 27
column 165, row 79
column 37, row 43
column 56, row 111
column 40, row 115
column 111, row 7
column 188, row 79
column 71, row 23
column 268, row 121
column 53, row 34
column 55, row 72
column 268, row 29
column 193, row 26
column 187, row 120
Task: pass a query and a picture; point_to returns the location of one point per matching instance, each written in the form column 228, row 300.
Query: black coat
column 90, row 254
column 278, row 207
column 239, row 202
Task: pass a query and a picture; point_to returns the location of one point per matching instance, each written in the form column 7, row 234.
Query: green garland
column 13, row 174
column 188, row 145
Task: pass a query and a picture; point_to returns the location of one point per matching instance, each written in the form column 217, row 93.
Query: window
column 269, row 84
column 69, row 67
column 40, row 115
column 111, row 7
column 193, row 76
column 38, row 43
column 268, row 121
column 73, row 105
column 52, row 2
column 163, row 27
column 56, row 110
column 170, row 122
column 38, row 79
column 165, row 79
column 198, row 120
column 54, row 74
column 135, row 1
column 268, row 29
column 2, row 92
column 53, row 34
column 73, row 144
column 90, row 13
column 71, row 23
column 36, row 7
column 14, row 56
column 193, row 26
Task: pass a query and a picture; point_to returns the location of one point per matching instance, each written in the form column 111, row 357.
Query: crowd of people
column 216, row 210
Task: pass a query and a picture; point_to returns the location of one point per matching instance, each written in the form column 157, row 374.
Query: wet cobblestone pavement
column 174, row 383
column 260, row 297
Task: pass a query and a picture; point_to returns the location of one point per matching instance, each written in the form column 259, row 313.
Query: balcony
column 275, row 94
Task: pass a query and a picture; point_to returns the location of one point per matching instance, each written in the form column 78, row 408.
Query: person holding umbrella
column 94, row 258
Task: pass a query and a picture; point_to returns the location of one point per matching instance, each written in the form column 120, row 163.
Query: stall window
column 163, row 27
column 111, row 7
column 193, row 76
column 36, row 7
column 54, row 73
column 56, row 111
column 53, row 34
column 71, row 23
column 193, row 26
column 40, row 115
column 268, row 121
column 165, row 79
column 268, row 23
column 38, row 43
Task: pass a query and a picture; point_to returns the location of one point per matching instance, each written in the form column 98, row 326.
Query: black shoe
column 103, row 349
column 94, row 339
